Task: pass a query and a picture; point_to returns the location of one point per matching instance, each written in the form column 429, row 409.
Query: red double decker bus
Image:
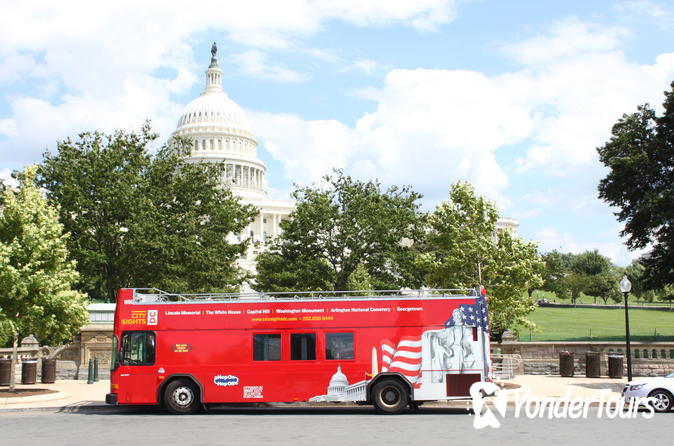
column 386, row 348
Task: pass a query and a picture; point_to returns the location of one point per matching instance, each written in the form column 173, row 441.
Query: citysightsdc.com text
column 579, row 407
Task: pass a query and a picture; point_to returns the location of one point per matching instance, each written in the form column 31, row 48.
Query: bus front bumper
column 111, row 398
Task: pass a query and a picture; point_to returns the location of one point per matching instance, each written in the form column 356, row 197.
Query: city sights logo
column 526, row 405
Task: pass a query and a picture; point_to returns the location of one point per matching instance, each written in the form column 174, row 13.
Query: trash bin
column 28, row 371
column 5, row 371
column 566, row 364
column 615, row 365
column 48, row 371
column 592, row 362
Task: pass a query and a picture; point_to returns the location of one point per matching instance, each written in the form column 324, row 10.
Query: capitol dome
column 214, row 109
column 338, row 382
column 220, row 133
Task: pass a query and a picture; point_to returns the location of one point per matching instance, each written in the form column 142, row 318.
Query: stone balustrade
column 542, row 358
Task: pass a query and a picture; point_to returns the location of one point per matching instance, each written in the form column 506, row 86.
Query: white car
column 661, row 389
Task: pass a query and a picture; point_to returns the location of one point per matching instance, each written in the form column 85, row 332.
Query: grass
column 583, row 324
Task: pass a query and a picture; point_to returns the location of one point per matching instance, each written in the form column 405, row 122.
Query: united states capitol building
column 220, row 132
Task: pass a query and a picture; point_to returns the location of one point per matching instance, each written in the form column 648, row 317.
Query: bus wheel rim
column 390, row 396
column 183, row 396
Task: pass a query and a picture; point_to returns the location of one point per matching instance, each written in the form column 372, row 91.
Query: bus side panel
column 425, row 341
column 222, row 361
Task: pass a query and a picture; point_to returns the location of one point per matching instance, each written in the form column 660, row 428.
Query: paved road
column 317, row 426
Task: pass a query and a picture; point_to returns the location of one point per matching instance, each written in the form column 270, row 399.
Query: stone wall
column 93, row 342
column 542, row 358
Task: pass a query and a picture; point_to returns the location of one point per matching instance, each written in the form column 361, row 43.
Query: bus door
column 136, row 372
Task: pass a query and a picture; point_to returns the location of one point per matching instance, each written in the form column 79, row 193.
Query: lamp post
column 625, row 287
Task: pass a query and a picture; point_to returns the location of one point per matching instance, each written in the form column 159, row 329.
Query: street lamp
column 625, row 287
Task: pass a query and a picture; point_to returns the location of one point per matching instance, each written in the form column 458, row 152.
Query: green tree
column 36, row 274
column 464, row 249
column 635, row 272
column 640, row 158
column 144, row 220
column 343, row 225
column 290, row 272
column 640, row 288
column 555, row 273
column 360, row 280
column 572, row 285
column 595, row 273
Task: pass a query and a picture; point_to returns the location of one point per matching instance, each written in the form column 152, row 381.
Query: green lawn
column 579, row 324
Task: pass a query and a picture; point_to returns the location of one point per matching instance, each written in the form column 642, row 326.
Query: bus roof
column 156, row 296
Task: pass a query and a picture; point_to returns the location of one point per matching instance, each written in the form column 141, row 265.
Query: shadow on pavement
column 254, row 411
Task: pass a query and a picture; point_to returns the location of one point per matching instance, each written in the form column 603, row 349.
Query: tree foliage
column 568, row 275
column 640, row 158
column 337, row 228
column 640, row 287
column 287, row 272
column 463, row 249
column 144, row 220
column 36, row 273
column 557, row 267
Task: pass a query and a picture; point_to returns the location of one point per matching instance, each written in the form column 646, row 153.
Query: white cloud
column 567, row 38
column 662, row 16
column 367, row 66
column 434, row 127
column 96, row 63
column 307, row 149
column 257, row 63
column 579, row 82
column 6, row 178
column 430, row 128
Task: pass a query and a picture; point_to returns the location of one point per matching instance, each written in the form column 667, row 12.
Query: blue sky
column 512, row 96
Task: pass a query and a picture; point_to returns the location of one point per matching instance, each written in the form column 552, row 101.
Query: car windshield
column 671, row 375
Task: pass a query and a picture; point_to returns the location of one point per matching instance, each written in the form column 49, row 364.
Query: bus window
column 138, row 348
column 267, row 347
column 303, row 346
column 339, row 346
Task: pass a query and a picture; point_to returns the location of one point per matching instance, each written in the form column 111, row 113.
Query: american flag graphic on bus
column 473, row 315
column 404, row 358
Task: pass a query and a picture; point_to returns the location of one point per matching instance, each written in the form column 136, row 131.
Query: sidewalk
column 71, row 393
column 555, row 386
column 68, row 393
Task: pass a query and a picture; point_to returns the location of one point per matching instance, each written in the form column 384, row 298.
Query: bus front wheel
column 181, row 397
column 390, row 396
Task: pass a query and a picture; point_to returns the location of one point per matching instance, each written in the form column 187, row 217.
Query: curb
column 59, row 395
column 70, row 408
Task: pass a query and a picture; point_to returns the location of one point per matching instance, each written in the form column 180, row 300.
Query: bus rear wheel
column 390, row 396
column 181, row 397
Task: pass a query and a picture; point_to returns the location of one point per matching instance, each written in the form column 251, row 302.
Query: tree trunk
column 15, row 354
column 342, row 282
